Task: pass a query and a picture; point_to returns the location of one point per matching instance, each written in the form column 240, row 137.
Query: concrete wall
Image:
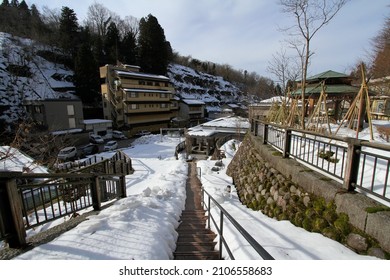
column 248, row 172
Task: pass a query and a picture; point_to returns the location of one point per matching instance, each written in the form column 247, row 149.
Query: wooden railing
column 30, row 200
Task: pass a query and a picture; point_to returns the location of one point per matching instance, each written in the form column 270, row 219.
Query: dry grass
column 385, row 132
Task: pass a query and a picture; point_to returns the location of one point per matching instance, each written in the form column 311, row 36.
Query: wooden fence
column 30, row 200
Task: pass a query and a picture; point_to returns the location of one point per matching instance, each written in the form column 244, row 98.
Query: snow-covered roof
column 141, row 75
column 96, row 121
column 220, row 125
column 228, row 122
column 147, row 90
column 193, row 102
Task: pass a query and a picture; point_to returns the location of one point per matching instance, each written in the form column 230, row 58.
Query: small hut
column 380, row 108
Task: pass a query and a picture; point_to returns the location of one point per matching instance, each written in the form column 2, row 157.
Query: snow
column 142, row 225
column 41, row 78
column 192, row 84
column 193, row 102
column 229, row 124
column 13, row 160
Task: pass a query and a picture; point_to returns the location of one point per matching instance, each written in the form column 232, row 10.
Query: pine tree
column 86, row 76
column 112, row 44
column 68, row 33
column 128, row 49
column 38, row 27
column 153, row 48
column 24, row 18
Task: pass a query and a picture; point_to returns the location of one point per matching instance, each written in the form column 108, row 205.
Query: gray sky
column 245, row 33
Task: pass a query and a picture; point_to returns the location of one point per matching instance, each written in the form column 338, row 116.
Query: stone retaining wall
column 286, row 190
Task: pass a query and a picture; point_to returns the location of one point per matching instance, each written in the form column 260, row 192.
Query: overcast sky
column 246, row 33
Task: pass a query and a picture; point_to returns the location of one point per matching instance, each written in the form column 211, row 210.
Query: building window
column 133, row 94
column 37, row 109
column 149, row 83
column 140, row 82
column 157, row 84
column 164, row 105
column 163, row 95
column 70, row 109
column 134, row 106
column 72, row 123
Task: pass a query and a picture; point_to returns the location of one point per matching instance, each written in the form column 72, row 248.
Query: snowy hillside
column 192, row 84
column 27, row 72
column 26, row 75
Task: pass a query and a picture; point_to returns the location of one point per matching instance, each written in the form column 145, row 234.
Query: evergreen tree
column 97, row 50
column 38, row 27
column 68, row 33
column 128, row 49
column 24, row 18
column 111, row 44
column 153, row 48
column 86, row 70
column 8, row 17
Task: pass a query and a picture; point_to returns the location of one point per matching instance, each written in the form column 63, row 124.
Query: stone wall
column 286, row 190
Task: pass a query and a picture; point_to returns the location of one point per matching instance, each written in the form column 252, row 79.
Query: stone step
column 190, row 226
column 195, row 246
column 196, row 213
column 196, row 237
column 210, row 255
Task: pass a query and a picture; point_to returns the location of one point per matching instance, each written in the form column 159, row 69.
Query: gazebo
column 338, row 88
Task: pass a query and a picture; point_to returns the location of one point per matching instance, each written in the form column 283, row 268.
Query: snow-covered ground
column 142, row 225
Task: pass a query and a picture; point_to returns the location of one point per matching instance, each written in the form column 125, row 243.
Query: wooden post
column 123, row 186
column 352, row 167
column 287, row 143
column 256, row 127
column 265, row 134
column 96, row 194
column 12, row 214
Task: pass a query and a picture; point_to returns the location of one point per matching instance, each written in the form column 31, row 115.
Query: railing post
column 352, row 163
column 256, row 127
column 12, row 214
column 209, row 210
column 96, row 194
column 220, row 235
column 122, row 182
column 265, row 133
column 287, row 143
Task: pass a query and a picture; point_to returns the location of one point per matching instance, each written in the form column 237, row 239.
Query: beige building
column 137, row 101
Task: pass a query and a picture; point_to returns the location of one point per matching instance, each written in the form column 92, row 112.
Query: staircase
column 195, row 241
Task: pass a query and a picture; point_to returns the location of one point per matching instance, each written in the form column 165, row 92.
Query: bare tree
column 51, row 17
column 381, row 55
column 284, row 68
column 98, row 18
column 310, row 16
column 129, row 25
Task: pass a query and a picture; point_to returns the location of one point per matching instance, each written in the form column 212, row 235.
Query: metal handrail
column 255, row 245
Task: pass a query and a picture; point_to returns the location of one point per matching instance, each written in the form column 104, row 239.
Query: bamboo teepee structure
column 317, row 119
column 354, row 116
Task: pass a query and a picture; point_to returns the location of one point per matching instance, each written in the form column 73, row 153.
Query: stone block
column 378, row 226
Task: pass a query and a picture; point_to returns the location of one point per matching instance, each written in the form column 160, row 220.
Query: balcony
column 135, row 95
column 144, row 108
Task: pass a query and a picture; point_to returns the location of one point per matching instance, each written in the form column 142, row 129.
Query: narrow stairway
column 195, row 241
